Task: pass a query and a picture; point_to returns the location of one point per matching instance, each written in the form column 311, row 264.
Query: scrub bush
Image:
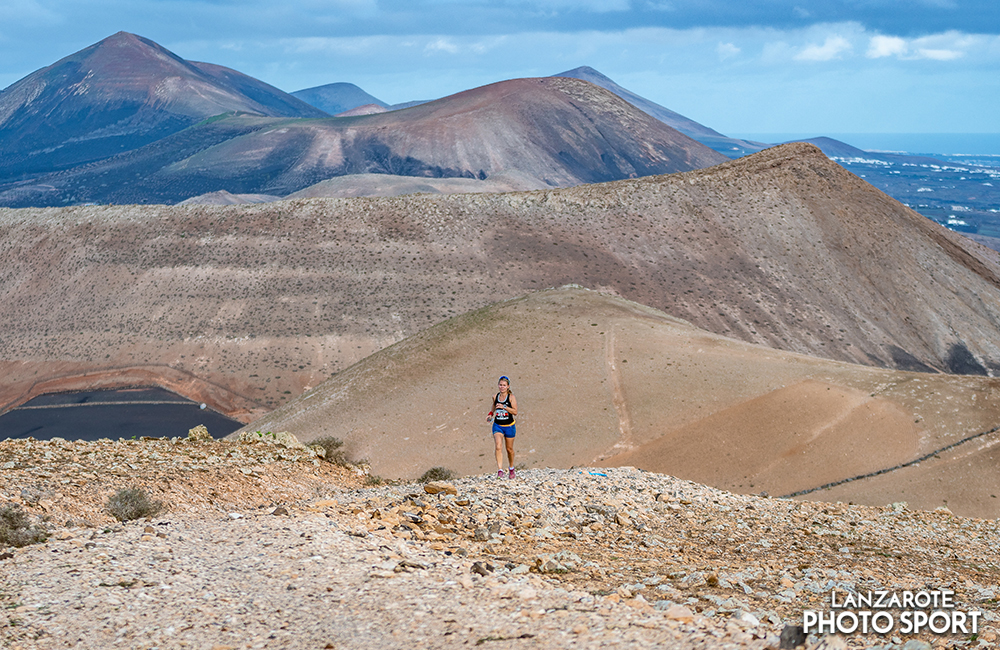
column 16, row 530
column 334, row 453
column 132, row 503
column 436, row 474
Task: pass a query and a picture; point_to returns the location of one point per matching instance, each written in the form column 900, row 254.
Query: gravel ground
column 579, row 558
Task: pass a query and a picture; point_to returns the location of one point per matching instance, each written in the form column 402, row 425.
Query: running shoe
column 510, row 474
column 499, row 473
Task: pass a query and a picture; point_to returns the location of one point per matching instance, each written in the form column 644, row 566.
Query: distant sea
column 948, row 144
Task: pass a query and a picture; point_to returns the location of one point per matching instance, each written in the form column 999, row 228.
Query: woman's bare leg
column 497, row 438
column 510, row 451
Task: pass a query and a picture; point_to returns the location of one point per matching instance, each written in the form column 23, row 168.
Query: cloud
column 727, row 51
column 367, row 47
column 450, row 45
column 597, row 6
column 594, row 6
column 938, row 55
column 947, row 46
column 441, row 45
column 14, row 12
column 883, row 46
column 832, row 48
column 349, row 46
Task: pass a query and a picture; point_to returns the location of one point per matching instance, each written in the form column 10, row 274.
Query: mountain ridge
column 588, row 135
column 783, row 248
column 337, row 97
column 117, row 95
column 730, row 147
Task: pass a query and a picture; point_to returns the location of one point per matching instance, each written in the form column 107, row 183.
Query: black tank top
column 501, row 415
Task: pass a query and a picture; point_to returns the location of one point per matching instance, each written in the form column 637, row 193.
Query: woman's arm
column 512, row 409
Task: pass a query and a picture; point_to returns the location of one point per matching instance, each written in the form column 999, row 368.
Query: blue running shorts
column 508, row 431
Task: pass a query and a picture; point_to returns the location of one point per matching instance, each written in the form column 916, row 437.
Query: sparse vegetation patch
column 333, row 450
column 436, row 474
column 132, row 503
column 16, row 529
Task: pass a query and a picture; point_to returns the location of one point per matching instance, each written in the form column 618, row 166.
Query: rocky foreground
column 267, row 547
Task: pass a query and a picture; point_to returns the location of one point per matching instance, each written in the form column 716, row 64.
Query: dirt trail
column 625, row 442
column 596, row 374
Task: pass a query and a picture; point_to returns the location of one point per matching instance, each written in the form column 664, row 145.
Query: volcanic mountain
column 731, row 147
column 337, row 97
column 553, row 132
column 117, row 95
column 251, row 304
column 601, row 380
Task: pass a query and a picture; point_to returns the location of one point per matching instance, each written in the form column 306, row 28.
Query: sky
column 807, row 67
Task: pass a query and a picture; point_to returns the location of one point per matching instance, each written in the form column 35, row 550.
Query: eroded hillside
column 259, row 302
column 600, row 380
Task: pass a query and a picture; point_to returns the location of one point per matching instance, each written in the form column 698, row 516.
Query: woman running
column 502, row 413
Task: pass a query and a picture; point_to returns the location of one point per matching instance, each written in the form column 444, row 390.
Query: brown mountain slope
column 600, row 379
column 116, row 95
column 783, row 248
column 365, row 109
column 223, row 197
column 557, row 131
column 552, row 132
column 731, row 147
column 354, row 185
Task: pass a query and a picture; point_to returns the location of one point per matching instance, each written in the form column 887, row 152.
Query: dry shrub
column 16, row 530
column 334, row 453
column 132, row 503
column 437, row 474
